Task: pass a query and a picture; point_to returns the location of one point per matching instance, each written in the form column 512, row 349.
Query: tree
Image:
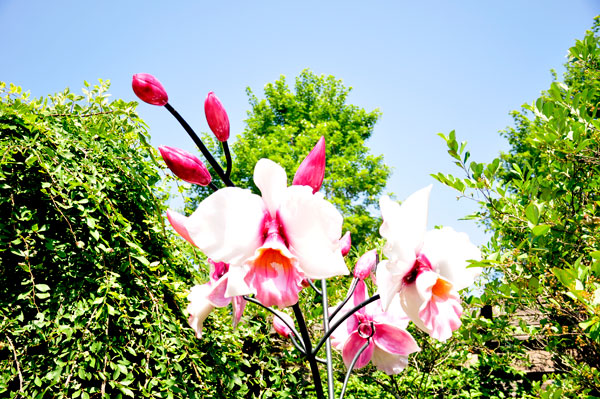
column 287, row 124
column 540, row 201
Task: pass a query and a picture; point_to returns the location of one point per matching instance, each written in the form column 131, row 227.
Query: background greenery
column 93, row 285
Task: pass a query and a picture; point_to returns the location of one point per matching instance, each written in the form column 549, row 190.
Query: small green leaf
column 540, row 230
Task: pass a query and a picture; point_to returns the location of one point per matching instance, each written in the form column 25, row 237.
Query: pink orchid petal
column 216, row 295
column 271, row 179
column 239, row 304
column 178, row 222
column 360, row 293
column 227, row 226
column 351, row 348
column 313, row 227
column 394, row 340
column 312, row 169
column 448, row 252
column 442, row 317
column 414, row 297
column 389, row 363
column 236, row 286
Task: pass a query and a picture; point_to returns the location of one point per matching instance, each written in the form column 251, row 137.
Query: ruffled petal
column 389, row 363
column 312, row 227
column 448, row 252
column 351, row 348
column 395, row 340
column 414, row 297
column 442, row 316
column 271, row 179
column 227, row 226
column 216, row 295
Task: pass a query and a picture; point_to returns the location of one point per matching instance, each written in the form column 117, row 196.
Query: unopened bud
column 216, row 116
column 149, row 89
column 280, row 327
column 186, row 166
column 312, row 170
column 345, row 243
column 365, row 264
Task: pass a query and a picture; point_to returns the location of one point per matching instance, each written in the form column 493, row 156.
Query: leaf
column 532, row 213
column 541, row 230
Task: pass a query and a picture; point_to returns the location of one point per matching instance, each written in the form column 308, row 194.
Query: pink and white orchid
column 426, row 269
column 389, row 344
column 271, row 242
column 204, row 298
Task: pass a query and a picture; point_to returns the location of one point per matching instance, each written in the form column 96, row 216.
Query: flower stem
column 354, row 360
column 328, row 341
column 211, row 160
column 310, row 355
column 225, row 147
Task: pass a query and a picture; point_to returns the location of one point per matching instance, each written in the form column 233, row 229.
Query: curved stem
column 342, row 319
column 331, row 393
column 225, row 147
column 310, row 355
column 352, row 363
column 350, row 292
column 276, row 313
column 211, row 160
column 314, row 287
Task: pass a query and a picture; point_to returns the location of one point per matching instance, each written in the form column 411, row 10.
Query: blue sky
column 430, row 66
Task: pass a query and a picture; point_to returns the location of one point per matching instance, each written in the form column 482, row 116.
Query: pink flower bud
column 312, row 170
column 217, row 118
column 345, row 243
column 280, row 327
column 185, row 165
column 149, row 89
column 365, row 264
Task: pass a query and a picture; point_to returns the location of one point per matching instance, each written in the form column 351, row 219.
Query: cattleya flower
column 426, row 269
column 204, row 298
column 389, row 344
column 271, row 242
column 149, row 89
column 184, row 165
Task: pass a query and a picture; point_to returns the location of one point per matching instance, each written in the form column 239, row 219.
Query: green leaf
column 540, row 230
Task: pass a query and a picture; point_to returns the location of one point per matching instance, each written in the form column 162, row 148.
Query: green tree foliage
column 540, row 201
column 92, row 285
column 287, row 124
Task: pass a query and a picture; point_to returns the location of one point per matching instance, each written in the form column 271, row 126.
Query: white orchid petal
column 404, row 225
column 313, row 228
column 388, row 284
column 271, row 179
column 227, row 225
column 236, row 286
column 448, row 252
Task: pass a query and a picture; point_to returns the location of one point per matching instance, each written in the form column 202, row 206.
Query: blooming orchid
column 272, row 242
column 426, row 269
column 204, row 298
column 389, row 344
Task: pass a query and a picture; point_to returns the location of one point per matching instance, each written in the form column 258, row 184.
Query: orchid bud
column 345, row 243
column 365, row 264
column 186, row 166
column 149, row 89
column 312, row 170
column 280, row 327
column 217, row 118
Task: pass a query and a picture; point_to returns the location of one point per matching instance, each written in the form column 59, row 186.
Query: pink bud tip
column 312, row 170
column 186, row 166
column 149, row 89
column 345, row 243
column 217, row 118
column 280, row 327
column 178, row 221
column 365, row 264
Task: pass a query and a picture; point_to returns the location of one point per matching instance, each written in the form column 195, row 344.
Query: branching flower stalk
column 267, row 249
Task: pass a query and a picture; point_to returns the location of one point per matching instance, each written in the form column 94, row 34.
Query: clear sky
column 429, row 66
